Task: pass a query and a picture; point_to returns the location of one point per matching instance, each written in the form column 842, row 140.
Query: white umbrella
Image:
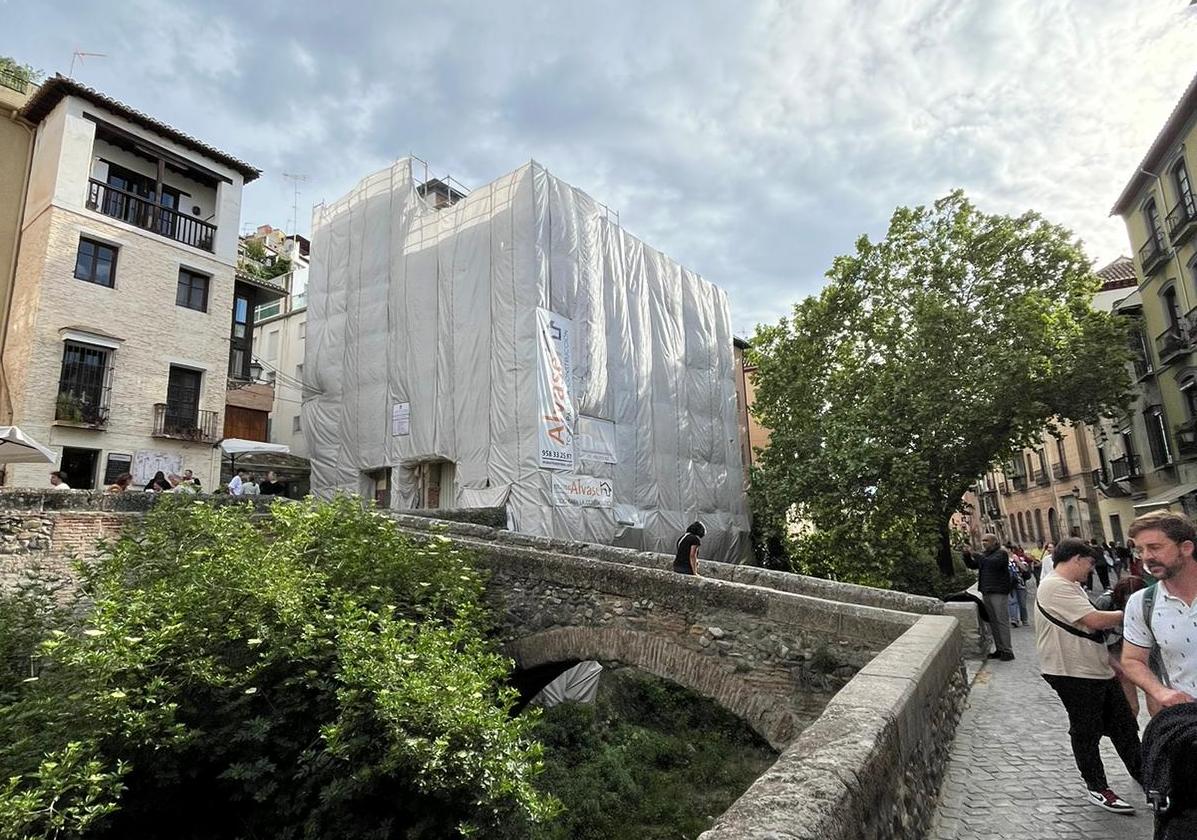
column 16, row 447
column 239, row 446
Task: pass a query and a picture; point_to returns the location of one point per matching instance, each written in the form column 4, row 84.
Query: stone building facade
column 118, row 346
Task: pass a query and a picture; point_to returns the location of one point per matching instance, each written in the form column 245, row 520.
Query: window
column 1171, row 308
column 182, row 400
column 1116, row 527
column 303, row 330
column 1151, row 217
column 83, row 385
column 1188, row 390
column 1157, row 436
column 296, row 424
column 96, row 262
column 1062, row 456
column 1184, row 192
column 1104, row 461
column 193, row 290
column 239, row 355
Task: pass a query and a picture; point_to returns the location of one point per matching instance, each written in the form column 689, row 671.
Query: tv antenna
column 79, row 55
column 295, row 180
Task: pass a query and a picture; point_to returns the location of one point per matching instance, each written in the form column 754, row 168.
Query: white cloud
column 754, row 142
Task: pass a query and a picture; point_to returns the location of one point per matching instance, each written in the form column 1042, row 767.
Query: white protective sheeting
column 432, row 315
column 579, row 684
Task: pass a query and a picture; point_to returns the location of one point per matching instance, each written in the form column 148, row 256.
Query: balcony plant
column 68, row 407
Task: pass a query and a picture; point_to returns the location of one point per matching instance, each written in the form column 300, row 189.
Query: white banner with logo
column 554, row 373
column 583, row 491
column 596, row 440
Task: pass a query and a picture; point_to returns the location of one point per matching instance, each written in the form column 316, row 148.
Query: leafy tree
column 310, row 674
column 929, row 356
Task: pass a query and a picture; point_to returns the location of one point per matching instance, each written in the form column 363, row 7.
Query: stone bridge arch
column 768, row 715
column 772, row 657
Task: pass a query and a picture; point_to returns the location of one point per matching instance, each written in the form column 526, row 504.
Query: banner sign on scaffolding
column 596, row 440
column 400, row 419
column 554, row 373
column 583, row 491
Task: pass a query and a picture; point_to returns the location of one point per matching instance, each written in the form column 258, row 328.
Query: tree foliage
column 928, row 357
column 313, row 674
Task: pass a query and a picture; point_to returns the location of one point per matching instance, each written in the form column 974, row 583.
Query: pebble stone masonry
column 860, row 689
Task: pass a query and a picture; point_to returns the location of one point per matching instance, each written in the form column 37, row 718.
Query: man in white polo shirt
column 1166, row 542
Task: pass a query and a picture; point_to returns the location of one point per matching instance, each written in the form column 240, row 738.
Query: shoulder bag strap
column 1098, row 637
column 1156, row 657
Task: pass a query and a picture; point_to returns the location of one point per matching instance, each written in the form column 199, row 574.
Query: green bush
column 311, row 674
column 649, row 760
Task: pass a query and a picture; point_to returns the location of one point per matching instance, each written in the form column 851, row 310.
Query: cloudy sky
column 753, row 141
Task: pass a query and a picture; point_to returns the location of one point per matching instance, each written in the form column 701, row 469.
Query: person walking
column 1099, row 564
column 1074, row 662
column 1161, row 617
column 995, row 582
column 1021, row 572
column 686, row 561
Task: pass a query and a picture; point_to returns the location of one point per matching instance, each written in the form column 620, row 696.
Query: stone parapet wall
column 848, row 593
column 871, row 765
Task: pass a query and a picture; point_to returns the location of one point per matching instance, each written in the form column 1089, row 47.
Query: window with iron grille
column 193, row 290
column 83, row 384
column 96, row 262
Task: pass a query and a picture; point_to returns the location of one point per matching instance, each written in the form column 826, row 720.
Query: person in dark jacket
column 686, row 561
column 995, row 582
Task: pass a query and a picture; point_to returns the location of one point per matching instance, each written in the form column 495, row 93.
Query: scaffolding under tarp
column 519, row 347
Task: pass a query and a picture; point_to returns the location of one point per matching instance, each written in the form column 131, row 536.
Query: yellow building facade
column 16, row 150
column 1156, row 443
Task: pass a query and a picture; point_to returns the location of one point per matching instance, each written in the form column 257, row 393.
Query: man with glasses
column 1074, row 662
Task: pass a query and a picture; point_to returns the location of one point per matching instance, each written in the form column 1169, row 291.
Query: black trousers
column 1103, row 574
column 1096, row 708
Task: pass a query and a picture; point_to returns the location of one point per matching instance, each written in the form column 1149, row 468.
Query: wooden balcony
column 144, row 213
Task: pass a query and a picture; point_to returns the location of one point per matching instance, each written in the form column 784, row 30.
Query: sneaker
column 1110, row 801
column 1006, row 657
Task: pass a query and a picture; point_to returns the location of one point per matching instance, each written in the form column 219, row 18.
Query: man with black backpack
column 1162, row 619
column 1070, row 640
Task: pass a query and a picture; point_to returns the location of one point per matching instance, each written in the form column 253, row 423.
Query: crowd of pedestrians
column 1112, row 621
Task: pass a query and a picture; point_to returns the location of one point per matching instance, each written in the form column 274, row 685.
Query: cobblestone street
column 1012, row 775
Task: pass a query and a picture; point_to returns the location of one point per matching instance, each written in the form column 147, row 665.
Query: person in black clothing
column 686, row 561
column 995, row 581
column 272, row 486
column 159, row 483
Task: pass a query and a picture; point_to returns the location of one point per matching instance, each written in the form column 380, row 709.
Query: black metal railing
column 1100, row 477
column 1172, row 342
column 1186, row 438
column 1042, row 477
column 14, row 78
column 182, row 423
column 1060, row 470
column 1019, row 482
column 1182, row 219
column 1143, row 367
column 1126, row 466
column 1152, row 255
column 146, row 214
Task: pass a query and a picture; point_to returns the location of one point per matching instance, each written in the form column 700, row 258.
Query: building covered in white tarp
column 519, row 348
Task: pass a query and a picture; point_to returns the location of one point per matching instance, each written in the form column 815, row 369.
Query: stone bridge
column 858, row 688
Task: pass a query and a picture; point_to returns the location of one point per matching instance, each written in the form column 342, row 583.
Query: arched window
column 1022, row 527
column 1038, row 525
column 1053, row 524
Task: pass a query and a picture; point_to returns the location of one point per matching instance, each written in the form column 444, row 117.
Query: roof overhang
column 1159, row 148
column 52, row 91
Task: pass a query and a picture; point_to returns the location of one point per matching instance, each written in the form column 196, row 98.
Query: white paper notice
column 400, row 419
